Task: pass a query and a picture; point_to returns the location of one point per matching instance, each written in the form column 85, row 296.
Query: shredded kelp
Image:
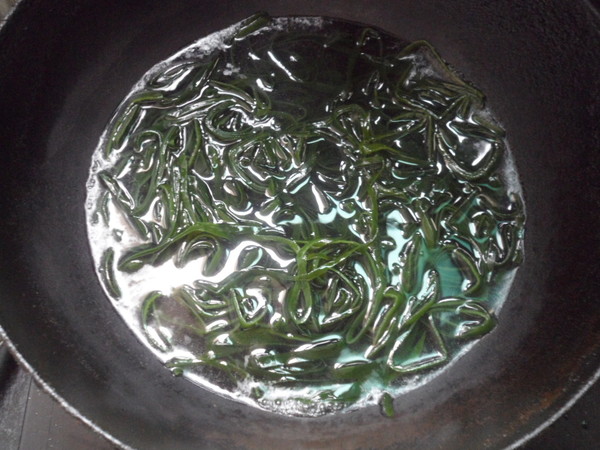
column 340, row 195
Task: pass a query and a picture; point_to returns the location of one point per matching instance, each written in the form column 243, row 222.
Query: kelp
column 367, row 165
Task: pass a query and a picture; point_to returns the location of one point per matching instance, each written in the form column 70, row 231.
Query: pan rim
column 24, row 364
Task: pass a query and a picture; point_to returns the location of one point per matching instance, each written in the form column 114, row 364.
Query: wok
column 65, row 66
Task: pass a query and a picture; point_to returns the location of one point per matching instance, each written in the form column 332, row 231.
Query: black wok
column 65, row 66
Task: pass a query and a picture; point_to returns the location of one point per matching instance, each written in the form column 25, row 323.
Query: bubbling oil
column 305, row 215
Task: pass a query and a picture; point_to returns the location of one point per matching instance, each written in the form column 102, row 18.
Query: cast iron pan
column 65, row 66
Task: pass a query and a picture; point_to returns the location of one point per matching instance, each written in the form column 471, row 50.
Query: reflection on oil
column 305, row 215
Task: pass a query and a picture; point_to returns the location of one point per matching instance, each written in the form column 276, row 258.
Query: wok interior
column 65, row 68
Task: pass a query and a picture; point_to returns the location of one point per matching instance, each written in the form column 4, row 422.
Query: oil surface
column 304, row 214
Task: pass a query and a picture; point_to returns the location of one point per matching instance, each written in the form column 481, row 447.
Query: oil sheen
column 305, row 215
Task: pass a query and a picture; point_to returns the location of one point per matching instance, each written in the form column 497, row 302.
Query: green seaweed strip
column 121, row 128
column 108, row 274
column 386, row 403
column 252, row 24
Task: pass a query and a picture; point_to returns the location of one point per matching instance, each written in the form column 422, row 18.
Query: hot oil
column 305, row 215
